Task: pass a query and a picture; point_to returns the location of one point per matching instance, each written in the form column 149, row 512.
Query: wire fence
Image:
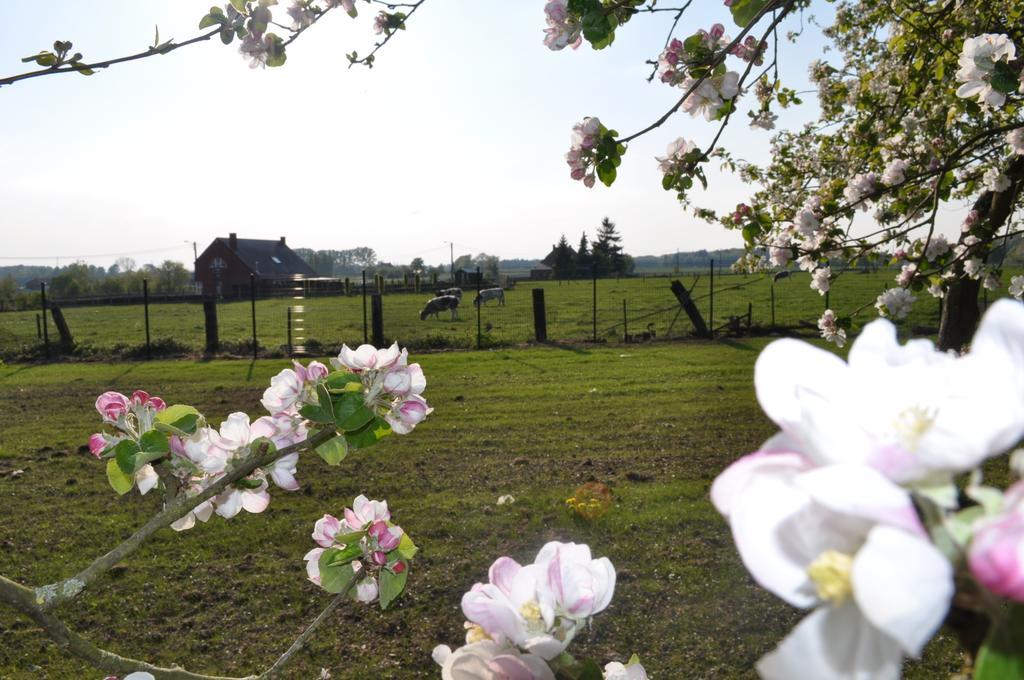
column 607, row 309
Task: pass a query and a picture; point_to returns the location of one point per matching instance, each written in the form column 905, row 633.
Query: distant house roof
column 269, row 259
column 540, row 267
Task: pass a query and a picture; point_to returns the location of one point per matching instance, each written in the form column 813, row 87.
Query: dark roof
column 539, row 267
column 270, row 259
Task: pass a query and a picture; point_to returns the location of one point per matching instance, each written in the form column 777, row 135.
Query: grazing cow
column 439, row 304
column 457, row 292
column 781, row 275
column 489, row 294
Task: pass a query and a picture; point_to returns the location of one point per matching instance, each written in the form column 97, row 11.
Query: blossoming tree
column 921, row 109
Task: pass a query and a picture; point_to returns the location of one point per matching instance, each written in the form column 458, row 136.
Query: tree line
column 602, row 256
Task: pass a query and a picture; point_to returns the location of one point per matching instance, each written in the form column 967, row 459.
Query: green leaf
column 596, row 29
column 334, row 579
column 321, row 412
column 1002, row 655
column 248, row 483
column 43, row 59
column 590, row 671
column 124, row 455
column 606, row 172
column 350, row 413
column 668, row 181
column 209, row 21
column 333, row 451
column 121, row 483
column 340, row 556
column 275, row 52
column 84, row 70
column 406, row 548
column 172, row 414
column 343, row 381
column 369, row 435
column 239, row 5
column 1005, row 79
column 392, row 585
column 226, row 35
column 744, row 11
column 154, row 441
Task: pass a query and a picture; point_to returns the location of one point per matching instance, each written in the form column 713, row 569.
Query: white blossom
column 895, row 303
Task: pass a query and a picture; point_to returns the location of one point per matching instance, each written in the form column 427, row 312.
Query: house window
column 274, row 258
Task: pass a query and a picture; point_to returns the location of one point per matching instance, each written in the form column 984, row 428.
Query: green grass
column 655, row 423
column 330, row 321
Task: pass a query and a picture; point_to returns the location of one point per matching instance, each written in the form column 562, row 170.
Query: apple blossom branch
column 23, row 599
column 369, row 58
column 783, row 8
column 53, row 594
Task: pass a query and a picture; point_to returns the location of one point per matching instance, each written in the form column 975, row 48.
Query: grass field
column 655, row 423
column 330, row 321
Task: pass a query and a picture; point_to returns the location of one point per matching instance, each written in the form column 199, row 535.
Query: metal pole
column 46, row 334
column 252, row 294
column 711, row 304
column 479, row 307
column 39, row 327
column 593, row 272
column 366, row 333
column 145, row 307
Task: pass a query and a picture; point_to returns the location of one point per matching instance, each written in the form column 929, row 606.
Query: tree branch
column 53, row 594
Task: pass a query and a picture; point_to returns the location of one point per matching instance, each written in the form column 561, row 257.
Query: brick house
column 225, row 267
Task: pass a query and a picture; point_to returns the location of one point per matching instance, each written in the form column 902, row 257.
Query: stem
column 310, row 629
column 53, row 594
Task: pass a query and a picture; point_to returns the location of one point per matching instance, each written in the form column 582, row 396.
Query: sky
column 457, row 134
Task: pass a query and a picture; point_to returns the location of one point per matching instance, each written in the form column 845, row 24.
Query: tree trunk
column 960, row 313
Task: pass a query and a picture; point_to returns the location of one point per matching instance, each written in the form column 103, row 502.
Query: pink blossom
column 407, row 414
column 112, row 405
column 325, row 529
column 97, row 443
column 387, row 537
column 284, row 392
column 402, row 381
column 365, row 511
column 996, row 556
column 313, row 564
column 367, row 357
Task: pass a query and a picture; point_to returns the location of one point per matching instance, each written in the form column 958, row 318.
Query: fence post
column 593, row 273
column 46, row 334
column 416, row 284
column 289, row 331
column 773, row 303
column 625, row 320
column 145, row 307
column 540, row 319
column 39, row 327
column 711, row 304
column 366, row 337
column 66, row 340
column 252, row 295
column 479, row 307
column 376, row 303
column 210, row 315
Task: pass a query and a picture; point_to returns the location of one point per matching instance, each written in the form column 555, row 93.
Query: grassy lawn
column 330, row 321
column 655, row 423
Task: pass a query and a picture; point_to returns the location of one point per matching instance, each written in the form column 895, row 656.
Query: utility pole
column 451, row 257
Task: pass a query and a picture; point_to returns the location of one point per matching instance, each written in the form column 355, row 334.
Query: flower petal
column 903, row 585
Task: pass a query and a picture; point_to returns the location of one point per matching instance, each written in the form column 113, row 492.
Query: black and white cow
column 439, row 304
column 489, row 294
column 457, row 292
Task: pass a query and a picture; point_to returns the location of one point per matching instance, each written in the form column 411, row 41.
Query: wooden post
column 690, row 308
column 479, row 307
column 210, row 315
column 711, row 304
column 252, row 295
column 377, row 306
column 416, row 284
column 366, row 336
column 593, row 273
column 540, row 320
column 145, row 307
column 46, row 334
column 625, row 321
column 348, row 286
column 773, row 303
column 62, row 327
column 39, row 327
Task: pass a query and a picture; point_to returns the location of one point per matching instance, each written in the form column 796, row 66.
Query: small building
column 35, row 283
column 541, row 271
column 226, row 266
column 465, row 278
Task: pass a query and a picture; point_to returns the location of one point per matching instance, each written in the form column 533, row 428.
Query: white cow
column 489, row 294
column 439, row 304
column 457, row 292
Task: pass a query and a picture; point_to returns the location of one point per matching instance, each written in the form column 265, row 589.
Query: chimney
column 233, row 240
column 282, row 240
